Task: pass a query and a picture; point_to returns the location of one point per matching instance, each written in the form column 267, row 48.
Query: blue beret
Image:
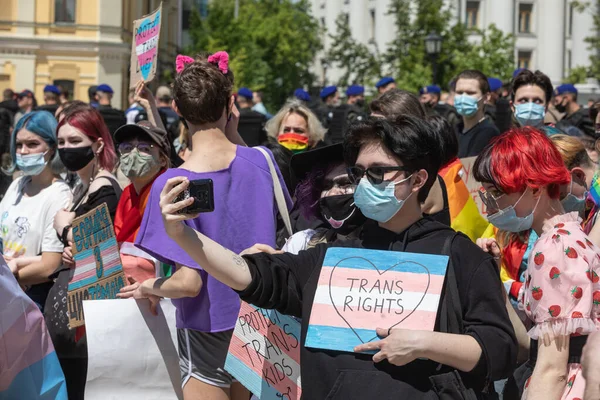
column 245, row 92
column 518, row 71
column 495, row 84
column 355, row 90
column 430, row 89
column 51, row 89
column 104, row 88
column 384, row 81
column 328, row 91
column 302, row 94
column 565, row 88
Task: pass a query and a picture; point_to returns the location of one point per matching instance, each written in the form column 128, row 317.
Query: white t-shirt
column 26, row 223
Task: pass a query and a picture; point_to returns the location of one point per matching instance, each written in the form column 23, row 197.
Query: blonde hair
column 572, row 151
column 316, row 131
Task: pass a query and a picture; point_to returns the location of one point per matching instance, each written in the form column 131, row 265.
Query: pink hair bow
column 221, row 58
column 181, row 61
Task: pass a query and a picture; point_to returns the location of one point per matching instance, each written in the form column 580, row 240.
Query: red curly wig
column 519, row 159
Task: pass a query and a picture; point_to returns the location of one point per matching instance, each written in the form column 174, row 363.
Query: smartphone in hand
column 202, row 192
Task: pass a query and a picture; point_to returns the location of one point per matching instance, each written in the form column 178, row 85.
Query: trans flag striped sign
column 264, row 353
column 144, row 47
column 29, row 367
column 98, row 271
column 360, row 290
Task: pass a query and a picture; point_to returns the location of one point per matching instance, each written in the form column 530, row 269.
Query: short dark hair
column 92, row 90
column 537, row 78
column 63, row 91
column 412, row 140
column 201, row 91
column 8, row 94
column 484, row 86
column 397, row 102
column 447, row 135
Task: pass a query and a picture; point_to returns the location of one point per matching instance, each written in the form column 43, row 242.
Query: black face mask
column 561, row 108
column 341, row 213
column 360, row 103
column 76, row 158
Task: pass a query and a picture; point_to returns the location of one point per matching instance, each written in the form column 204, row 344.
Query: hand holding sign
column 399, row 346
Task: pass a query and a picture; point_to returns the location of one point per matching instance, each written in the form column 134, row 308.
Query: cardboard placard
column 472, row 184
column 98, row 272
column 144, row 47
column 360, row 290
column 264, row 354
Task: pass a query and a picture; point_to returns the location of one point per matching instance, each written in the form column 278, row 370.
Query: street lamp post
column 433, row 48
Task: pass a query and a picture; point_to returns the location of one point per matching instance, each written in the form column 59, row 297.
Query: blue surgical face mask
column 507, row 219
column 378, row 202
column 530, row 114
column 466, row 105
column 31, row 164
column 573, row 203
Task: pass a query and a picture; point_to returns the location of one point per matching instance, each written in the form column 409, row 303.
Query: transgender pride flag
column 29, row 368
column 360, row 290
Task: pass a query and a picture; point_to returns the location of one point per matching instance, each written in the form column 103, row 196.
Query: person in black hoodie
column 473, row 343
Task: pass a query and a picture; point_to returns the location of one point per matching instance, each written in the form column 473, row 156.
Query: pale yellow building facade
column 77, row 43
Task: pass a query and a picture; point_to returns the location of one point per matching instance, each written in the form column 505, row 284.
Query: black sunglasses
column 375, row 175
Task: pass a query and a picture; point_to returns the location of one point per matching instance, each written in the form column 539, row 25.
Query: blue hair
column 42, row 123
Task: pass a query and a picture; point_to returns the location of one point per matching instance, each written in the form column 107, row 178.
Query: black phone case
column 202, row 192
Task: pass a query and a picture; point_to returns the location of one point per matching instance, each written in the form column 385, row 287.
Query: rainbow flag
column 595, row 189
column 464, row 213
column 29, row 367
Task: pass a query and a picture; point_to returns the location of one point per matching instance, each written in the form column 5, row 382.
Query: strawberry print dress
column 561, row 295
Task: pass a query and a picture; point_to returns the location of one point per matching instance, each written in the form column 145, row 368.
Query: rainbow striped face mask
column 293, row 142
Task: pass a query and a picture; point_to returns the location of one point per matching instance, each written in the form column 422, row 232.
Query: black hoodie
column 288, row 283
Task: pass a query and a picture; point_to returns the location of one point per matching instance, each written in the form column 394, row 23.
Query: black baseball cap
column 157, row 135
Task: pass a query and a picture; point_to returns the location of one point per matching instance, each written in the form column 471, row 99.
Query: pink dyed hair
column 89, row 121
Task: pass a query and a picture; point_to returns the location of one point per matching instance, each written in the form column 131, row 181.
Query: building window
column 323, row 22
column 346, row 18
column 569, row 60
column 372, row 14
column 524, row 59
column 472, row 20
column 525, row 18
column 64, row 11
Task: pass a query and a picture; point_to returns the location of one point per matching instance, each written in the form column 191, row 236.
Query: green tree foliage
column 494, row 55
column 271, row 44
column 405, row 57
column 577, row 75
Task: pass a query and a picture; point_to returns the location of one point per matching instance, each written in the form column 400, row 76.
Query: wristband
column 65, row 233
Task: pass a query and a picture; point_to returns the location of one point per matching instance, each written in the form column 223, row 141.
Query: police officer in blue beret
column 430, row 98
column 251, row 126
column 565, row 102
column 330, row 99
column 385, row 84
column 51, row 99
column 113, row 117
column 345, row 114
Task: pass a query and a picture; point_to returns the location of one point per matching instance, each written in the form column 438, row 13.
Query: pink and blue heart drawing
column 360, row 290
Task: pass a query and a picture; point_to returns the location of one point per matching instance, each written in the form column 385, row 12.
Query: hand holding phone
column 202, row 192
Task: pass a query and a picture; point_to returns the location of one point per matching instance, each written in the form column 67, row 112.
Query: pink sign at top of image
column 144, row 47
